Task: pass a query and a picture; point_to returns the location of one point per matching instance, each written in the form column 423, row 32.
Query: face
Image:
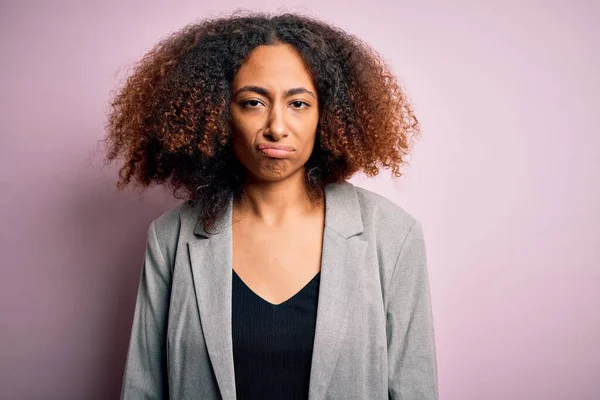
column 274, row 112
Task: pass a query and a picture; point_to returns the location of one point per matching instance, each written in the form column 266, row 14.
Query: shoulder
column 174, row 219
column 173, row 226
column 394, row 234
column 353, row 210
column 388, row 225
column 379, row 211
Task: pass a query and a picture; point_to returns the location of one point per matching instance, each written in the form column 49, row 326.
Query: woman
column 276, row 278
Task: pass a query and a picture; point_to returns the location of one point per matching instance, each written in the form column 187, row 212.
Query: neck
column 275, row 202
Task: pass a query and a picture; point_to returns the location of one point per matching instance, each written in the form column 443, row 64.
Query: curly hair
column 170, row 121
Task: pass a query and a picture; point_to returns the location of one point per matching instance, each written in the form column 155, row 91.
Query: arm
column 145, row 374
column 412, row 365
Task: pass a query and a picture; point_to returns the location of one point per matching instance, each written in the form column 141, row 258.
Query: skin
column 262, row 112
column 278, row 231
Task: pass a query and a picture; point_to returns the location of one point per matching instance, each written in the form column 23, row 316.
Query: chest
column 277, row 262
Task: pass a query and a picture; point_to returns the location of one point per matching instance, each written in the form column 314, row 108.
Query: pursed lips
column 275, row 150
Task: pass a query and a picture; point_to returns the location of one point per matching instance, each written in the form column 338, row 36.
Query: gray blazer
column 374, row 334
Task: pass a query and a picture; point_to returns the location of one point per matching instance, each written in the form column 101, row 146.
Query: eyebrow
column 264, row 92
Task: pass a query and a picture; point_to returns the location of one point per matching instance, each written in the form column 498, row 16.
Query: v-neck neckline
column 262, row 300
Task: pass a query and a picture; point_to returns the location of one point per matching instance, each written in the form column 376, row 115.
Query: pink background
column 505, row 180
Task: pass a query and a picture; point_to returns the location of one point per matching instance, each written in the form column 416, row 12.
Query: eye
column 252, row 103
column 298, row 104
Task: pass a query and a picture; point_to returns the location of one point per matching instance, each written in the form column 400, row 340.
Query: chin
column 275, row 172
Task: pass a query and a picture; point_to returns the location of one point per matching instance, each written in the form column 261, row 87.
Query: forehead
column 274, row 66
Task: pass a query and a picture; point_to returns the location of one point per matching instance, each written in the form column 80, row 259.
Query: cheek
column 241, row 144
column 241, row 133
column 244, row 128
column 311, row 132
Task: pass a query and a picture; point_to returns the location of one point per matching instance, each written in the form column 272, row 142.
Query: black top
column 273, row 344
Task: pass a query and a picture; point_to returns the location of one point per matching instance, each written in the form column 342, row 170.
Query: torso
column 277, row 262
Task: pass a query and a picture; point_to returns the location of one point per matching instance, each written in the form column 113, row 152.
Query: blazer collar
column 342, row 212
column 342, row 257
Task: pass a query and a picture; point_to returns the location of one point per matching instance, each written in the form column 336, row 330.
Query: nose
column 276, row 128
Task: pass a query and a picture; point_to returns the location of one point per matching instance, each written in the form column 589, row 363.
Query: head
column 262, row 98
column 274, row 113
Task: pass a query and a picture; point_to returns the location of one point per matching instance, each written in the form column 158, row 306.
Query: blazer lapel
column 211, row 259
column 343, row 255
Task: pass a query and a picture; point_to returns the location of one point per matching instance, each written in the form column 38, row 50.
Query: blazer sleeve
column 412, row 365
column 145, row 375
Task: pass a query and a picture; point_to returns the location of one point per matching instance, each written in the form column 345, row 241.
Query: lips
column 275, row 150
